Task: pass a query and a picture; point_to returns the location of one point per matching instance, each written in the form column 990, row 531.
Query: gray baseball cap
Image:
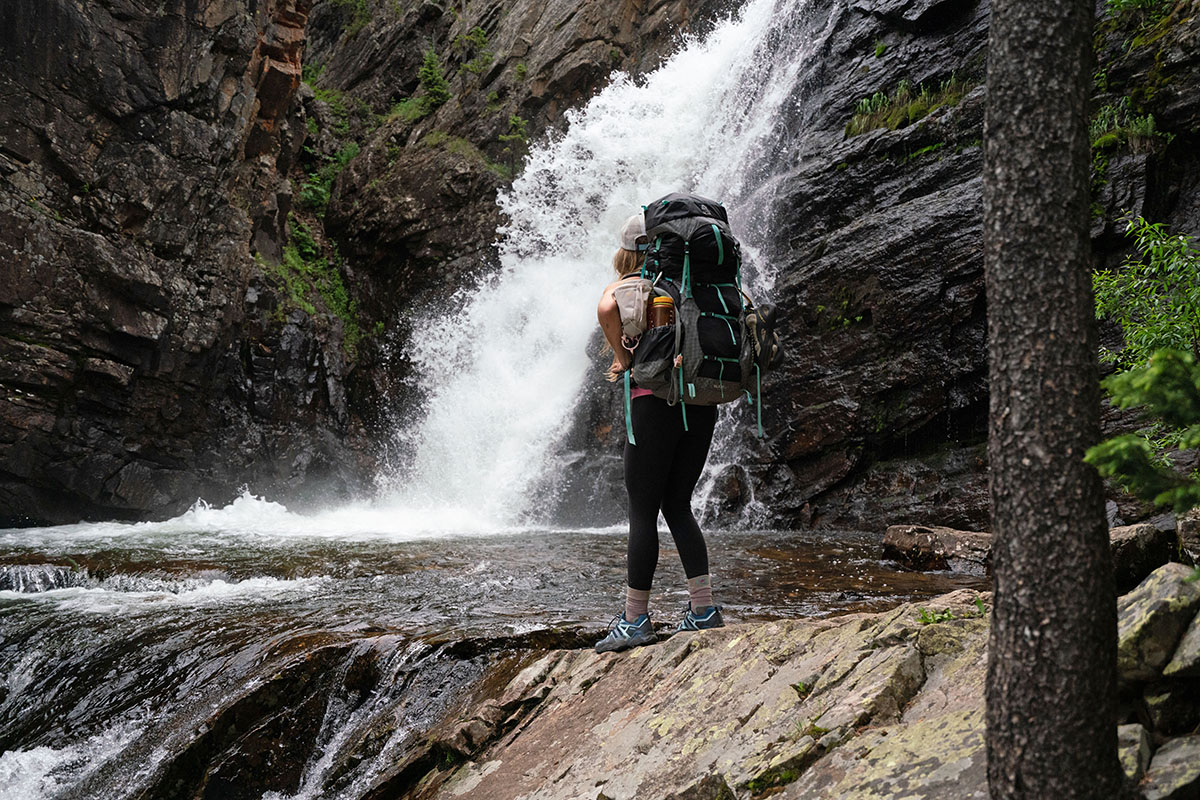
column 634, row 229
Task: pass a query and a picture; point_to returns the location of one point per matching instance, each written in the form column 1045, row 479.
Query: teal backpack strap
column 720, row 245
column 758, row 389
column 687, row 268
column 682, row 405
column 628, row 411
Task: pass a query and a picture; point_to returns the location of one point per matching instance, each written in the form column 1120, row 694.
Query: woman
column 661, row 472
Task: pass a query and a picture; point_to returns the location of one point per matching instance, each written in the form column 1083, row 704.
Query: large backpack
column 724, row 340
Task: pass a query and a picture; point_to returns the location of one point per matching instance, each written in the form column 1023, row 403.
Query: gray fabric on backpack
column 633, row 297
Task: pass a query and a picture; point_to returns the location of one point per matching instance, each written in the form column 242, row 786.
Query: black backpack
column 726, row 342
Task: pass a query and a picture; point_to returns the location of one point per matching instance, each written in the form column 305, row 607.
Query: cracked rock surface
column 806, row 706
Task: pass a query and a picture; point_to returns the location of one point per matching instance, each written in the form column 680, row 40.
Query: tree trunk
column 1051, row 691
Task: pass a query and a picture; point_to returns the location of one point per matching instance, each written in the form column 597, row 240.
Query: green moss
column 307, row 278
column 880, row 48
column 521, row 71
column 1117, row 124
column 466, row 151
column 773, row 778
column 924, row 151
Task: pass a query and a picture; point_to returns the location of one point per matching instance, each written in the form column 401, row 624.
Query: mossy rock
column 1152, row 619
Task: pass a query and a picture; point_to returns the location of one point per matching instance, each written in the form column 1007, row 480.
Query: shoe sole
column 628, row 645
column 696, row 630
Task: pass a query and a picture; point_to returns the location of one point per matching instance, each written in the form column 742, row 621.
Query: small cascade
column 39, row 577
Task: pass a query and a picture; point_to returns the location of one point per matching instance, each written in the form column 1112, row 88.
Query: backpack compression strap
column 628, row 411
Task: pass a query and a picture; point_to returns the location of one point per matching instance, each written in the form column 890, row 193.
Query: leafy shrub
column 1116, row 124
column 317, row 185
column 307, row 276
column 1169, row 388
column 1154, row 296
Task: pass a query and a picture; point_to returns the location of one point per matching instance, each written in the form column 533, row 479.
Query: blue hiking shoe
column 702, row 619
column 625, row 634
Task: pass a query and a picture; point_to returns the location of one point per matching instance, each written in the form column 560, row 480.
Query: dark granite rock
column 918, row 547
column 1140, row 549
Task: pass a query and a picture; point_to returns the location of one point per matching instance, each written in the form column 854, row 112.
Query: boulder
column 1189, row 530
column 1172, row 706
column 1186, row 661
column 928, row 548
column 1133, row 748
column 1175, row 771
column 1137, row 550
column 1140, row 549
column 1152, row 619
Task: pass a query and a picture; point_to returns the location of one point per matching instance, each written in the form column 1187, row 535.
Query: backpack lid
column 678, row 205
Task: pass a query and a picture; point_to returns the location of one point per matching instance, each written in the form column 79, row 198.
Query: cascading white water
column 507, row 366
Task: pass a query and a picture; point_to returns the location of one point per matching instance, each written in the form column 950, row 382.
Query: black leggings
column 661, row 471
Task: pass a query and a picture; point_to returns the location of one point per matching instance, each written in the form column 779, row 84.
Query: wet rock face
column 141, row 148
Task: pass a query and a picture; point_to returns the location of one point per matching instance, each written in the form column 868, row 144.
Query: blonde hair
column 626, row 261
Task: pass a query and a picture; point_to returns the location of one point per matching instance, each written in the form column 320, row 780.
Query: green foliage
column 516, row 130
column 1116, row 124
column 337, row 106
column 905, row 105
column 360, row 15
column 435, row 91
column 317, row 185
column 310, row 72
column 880, row 48
column 433, row 81
column 1154, row 296
column 306, row 276
column 409, row 109
column 1142, row 13
column 1169, row 388
column 475, row 44
column 521, row 70
column 493, row 101
column 802, row 690
column 927, row 617
column 466, row 151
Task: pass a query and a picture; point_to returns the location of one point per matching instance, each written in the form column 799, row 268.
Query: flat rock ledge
column 864, row 705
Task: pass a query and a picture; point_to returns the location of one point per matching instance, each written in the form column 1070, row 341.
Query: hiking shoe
column 625, row 634
column 703, row 619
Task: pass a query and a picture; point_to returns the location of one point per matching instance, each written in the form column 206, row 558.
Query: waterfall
column 506, row 364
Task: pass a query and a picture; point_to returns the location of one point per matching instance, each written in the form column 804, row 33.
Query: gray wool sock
column 700, row 592
column 637, row 602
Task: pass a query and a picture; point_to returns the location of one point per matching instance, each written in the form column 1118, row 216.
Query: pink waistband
column 639, row 392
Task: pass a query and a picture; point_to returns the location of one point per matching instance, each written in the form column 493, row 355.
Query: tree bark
column 1051, row 689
